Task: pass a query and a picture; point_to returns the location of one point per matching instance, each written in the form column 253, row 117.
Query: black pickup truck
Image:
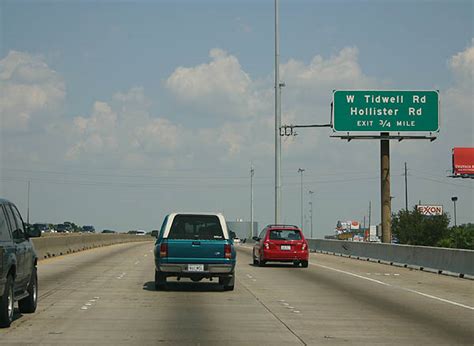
column 18, row 278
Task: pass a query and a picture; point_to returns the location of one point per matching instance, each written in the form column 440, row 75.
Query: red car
column 281, row 243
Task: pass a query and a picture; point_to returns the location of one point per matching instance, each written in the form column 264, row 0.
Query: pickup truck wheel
column 160, row 281
column 28, row 304
column 228, row 283
column 6, row 304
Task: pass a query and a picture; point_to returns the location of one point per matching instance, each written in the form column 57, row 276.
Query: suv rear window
column 205, row 227
column 285, row 234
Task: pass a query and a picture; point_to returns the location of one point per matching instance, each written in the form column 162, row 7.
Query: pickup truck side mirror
column 256, row 238
column 32, row 232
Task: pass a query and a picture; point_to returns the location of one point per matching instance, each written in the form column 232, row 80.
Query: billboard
column 463, row 161
column 347, row 226
column 430, row 210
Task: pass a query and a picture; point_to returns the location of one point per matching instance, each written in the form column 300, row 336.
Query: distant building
column 242, row 228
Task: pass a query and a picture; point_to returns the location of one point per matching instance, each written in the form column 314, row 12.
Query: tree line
column 413, row 228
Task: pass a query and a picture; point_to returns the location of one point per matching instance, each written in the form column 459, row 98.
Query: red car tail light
column 227, row 251
column 304, row 246
column 267, row 246
column 164, row 250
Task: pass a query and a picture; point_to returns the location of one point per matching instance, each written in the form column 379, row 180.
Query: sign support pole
column 386, row 203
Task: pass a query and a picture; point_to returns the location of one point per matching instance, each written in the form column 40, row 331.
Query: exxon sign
column 430, row 210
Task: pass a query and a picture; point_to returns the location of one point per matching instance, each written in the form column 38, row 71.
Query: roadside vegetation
column 412, row 228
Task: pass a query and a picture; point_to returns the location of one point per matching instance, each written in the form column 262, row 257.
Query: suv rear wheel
column 28, row 304
column 6, row 304
column 304, row 264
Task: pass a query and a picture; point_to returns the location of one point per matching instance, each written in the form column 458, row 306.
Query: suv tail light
column 164, row 250
column 267, row 246
column 227, row 251
column 304, row 246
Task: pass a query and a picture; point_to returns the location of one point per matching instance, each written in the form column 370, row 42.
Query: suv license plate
column 286, row 247
column 195, row 267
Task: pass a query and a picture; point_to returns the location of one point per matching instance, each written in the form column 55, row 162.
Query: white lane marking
column 249, row 276
column 137, row 262
column 386, row 274
column 286, row 304
column 254, row 280
column 88, row 304
column 96, row 297
column 84, row 308
column 92, row 300
column 401, row 288
column 145, row 255
column 396, row 274
column 282, row 300
column 296, row 311
column 290, row 307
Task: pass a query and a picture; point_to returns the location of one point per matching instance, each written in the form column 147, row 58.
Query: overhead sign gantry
column 385, row 115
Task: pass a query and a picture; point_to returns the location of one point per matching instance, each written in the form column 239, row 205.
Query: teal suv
column 195, row 246
column 18, row 278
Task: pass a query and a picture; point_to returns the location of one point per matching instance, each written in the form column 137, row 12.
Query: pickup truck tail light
column 164, row 250
column 227, row 251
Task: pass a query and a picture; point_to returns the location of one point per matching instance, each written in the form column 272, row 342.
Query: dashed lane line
column 394, row 286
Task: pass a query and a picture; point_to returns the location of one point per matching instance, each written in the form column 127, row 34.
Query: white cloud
column 220, row 87
column 30, row 91
column 223, row 88
column 462, row 64
column 125, row 130
column 461, row 94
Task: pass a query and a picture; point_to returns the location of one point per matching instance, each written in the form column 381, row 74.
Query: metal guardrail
column 456, row 261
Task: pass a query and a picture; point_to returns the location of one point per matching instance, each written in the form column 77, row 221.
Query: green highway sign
column 385, row 111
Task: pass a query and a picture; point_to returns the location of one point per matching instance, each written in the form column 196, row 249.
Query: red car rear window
column 285, row 234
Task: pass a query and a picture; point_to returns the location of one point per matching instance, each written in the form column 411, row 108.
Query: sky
column 119, row 112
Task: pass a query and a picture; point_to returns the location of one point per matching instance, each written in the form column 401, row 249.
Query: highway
column 106, row 296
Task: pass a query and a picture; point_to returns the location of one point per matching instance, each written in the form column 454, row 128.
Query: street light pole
column 28, row 205
column 301, row 170
column 251, row 200
column 454, row 199
column 311, row 211
column 277, row 121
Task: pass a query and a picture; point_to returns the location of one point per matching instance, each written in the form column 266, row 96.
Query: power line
column 443, row 182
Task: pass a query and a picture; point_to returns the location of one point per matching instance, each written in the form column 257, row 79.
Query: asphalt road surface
column 107, row 296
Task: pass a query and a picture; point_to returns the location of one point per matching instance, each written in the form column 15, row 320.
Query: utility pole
column 386, row 203
column 278, row 86
column 311, row 210
column 454, row 199
column 301, row 170
column 28, row 205
column 370, row 212
column 406, row 189
column 251, row 200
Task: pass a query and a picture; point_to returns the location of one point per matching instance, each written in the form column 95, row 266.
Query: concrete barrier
column 422, row 257
column 57, row 245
